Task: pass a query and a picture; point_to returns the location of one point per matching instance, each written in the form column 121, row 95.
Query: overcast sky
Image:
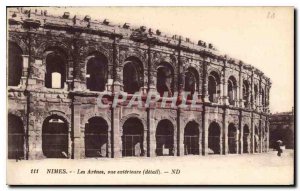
column 262, row 37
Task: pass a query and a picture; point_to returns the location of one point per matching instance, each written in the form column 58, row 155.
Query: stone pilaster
column 240, row 93
column 224, row 134
column 252, row 134
column 252, row 91
column 180, row 130
column 151, row 133
column 116, row 133
column 224, row 82
column 201, row 133
column 205, row 82
column 109, row 145
column 117, row 70
column 268, row 133
column 205, row 133
column 241, row 135
column 77, row 130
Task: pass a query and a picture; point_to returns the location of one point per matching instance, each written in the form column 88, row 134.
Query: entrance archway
column 246, row 139
column 191, row 139
column 165, row 138
column 214, row 138
column 232, row 139
column 96, row 137
column 15, row 137
column 55, row 137
column 256, row 140
column 133, row 138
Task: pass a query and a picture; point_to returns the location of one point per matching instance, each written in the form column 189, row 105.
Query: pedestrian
column 279, row 148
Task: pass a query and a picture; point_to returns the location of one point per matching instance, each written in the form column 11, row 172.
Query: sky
column 260, row 36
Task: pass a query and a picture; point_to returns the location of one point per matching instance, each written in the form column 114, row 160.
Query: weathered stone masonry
column 61, row 119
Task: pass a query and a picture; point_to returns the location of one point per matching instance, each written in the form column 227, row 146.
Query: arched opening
column 15, row 137
column 256, row 94
column 246, row 93
column 256, row 140
column 246, row 139
column 132, row 75
column 96, row 137
column 232, row 90
column 55, row 137
column 15, row 64
column 165, row 79
column 96, row 72
column 191, row 139
column 214, row 138
column 213, row 87
column 133, row 138
column 191, row 80
column 55, row 76
column 232, row 139
column 263, row 98
column 165, row 138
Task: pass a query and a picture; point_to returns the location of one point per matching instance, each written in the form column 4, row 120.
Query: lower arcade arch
column 96, row 137
column 15, row 137
column 214, row 138
column 191, row 138
column 55, row 137
column 246, row 139
column 165, row 138
column 256, row 140
column 133, row 138
column 233, row 139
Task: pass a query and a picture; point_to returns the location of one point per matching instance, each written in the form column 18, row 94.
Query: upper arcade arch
column 96, row 72
column 165, row 79
column 232, row 90
column 191, row 80
column 15, row 64
column 214, row 88
column 56, row 68
column 133, row 75
column 246, row 93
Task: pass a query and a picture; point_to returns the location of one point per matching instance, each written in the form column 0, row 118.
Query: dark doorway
column 133, row 138
column 96, row 138
column 55, row 137
column 165, row 138
column 191, row 139
column 15, row 64
column 15, row 137
column 214, row 138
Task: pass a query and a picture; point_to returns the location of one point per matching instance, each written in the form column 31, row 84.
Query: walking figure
column 279, row 148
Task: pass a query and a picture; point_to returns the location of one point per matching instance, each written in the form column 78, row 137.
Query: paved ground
column 266, row 168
